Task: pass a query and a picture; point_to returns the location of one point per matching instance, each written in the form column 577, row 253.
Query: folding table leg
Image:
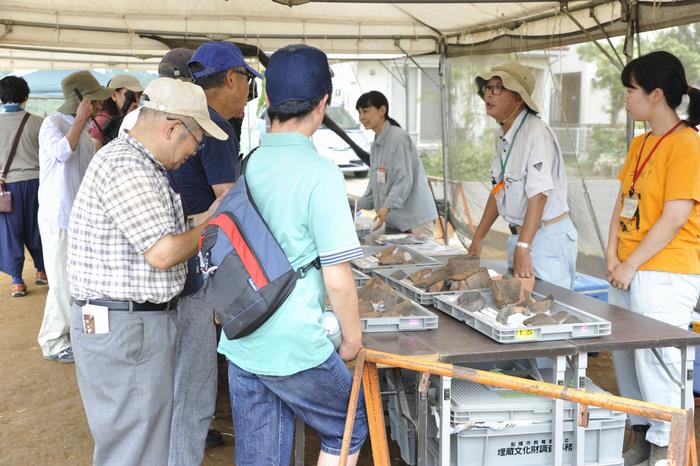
column 375, row 415
column 558, row 424
column 445, row 407
column 580, row 366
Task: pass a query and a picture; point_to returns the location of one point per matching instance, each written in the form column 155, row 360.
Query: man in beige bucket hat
column 126, row 266
column 529, row 181
column 65, row 150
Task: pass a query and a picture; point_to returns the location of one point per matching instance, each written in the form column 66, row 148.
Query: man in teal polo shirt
column 288, row 366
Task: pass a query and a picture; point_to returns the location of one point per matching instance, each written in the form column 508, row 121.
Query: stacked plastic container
column 520, row 428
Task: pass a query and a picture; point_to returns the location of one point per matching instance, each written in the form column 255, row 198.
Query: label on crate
column 525, row 334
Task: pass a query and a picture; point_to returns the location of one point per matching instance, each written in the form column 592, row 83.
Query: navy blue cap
column 295, row 76
column 216, row 57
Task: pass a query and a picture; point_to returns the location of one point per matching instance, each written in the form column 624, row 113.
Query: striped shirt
column 124, row 206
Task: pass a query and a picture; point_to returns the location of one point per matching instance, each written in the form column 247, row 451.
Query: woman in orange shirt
column 653, row 256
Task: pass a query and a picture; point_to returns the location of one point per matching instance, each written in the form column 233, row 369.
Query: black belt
column 114, row 305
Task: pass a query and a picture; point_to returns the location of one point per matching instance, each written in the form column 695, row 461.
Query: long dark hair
column 662, row 70
column 375, row 99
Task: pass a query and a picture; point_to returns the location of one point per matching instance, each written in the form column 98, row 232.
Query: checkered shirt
column 124, row 206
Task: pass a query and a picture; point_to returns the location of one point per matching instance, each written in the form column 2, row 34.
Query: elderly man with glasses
column 529, row 181
column 127, row 247
column 220, row 69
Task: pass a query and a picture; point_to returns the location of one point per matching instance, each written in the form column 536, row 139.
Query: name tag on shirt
column 95, row 319
column 381, row 175
column 629, row 207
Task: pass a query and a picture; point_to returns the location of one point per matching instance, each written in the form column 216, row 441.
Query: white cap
column 182, row 98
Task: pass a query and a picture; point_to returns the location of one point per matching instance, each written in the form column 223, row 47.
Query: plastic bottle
column 331, row 326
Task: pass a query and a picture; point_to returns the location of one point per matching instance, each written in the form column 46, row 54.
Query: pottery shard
column 479, row 279
column 439, row 286
column 395, row 259
column 386, row 252
column 525, row 284
column 538, row 305
column 459, row 268
column 505, row 292
column 399, row 275
column 539, row 319
column 563, row 317
column 377, row 299
column 415, row 277
column 430, row 279
column 472, row 301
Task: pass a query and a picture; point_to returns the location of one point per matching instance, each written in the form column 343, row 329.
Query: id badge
column 381, row 175
column 95, row 319
column 629, row 207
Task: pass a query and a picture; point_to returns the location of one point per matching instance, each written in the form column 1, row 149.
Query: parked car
column 329, row 144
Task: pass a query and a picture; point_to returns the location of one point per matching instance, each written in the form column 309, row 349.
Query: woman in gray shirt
column 398, row 188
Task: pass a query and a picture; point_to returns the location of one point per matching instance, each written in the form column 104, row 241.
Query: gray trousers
column 195, row 382
column 126, row 383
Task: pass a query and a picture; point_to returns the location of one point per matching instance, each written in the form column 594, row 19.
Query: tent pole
column 631, row 16
column 445, row 140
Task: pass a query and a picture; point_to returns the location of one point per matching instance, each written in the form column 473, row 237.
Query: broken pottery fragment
column 436, row 287
column 479, row 279
column 540, row 319
column 538, row 305
column 416, row 276
column 505, row 291
column 526, row 284
column 472, row 301
column 398, row 274
column 392, row 256
column 377, row 299
column 560, row 316
column 459, row 268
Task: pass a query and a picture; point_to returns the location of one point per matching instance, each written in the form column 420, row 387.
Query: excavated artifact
column 505, row 292
column 538, row 306
column 539, row 319
column 399, row 274
column 392, row 256
column 377, row 299
column 459, row 268
column 479, row 279
column 472, row 301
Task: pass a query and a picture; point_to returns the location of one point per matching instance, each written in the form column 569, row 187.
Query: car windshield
column 341, row 117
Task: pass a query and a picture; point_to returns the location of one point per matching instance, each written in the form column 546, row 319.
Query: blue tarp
column 47, row 83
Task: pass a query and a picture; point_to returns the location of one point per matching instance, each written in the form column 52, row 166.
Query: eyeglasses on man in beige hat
column 182, row 98
column 515, row 78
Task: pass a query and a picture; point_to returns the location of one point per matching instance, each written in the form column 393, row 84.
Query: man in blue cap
column 220, row 69
column 288, row 366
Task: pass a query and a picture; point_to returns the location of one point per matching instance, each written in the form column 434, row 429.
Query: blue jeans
column 264, row 408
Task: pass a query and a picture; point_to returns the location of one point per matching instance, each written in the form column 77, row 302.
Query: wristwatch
column 520, row 244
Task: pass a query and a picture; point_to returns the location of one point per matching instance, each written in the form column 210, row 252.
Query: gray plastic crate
column 360, row 278
column 532, row 445
column 407, row 289
column 422, row 320
column 591, row 325
column 476, row 402
column 528, row 440
column 369, row 263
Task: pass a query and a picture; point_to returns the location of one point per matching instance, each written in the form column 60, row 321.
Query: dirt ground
column 41, row 416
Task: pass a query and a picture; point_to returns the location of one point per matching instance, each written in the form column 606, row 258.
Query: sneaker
column 638, row 449
column 658, row 455
column 19, row 290
column 65, row 356
column 41, row 279
column 214, row 439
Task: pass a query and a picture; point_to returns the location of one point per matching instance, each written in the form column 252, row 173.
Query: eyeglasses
column 249, row 76
column 200, row 144
column 496, row 89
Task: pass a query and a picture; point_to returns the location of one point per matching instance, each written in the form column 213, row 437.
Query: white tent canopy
column 136, row 33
